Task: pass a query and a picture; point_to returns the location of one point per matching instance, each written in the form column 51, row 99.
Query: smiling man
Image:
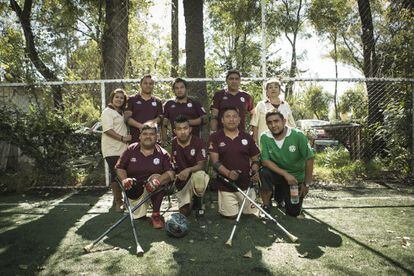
column 287, row 159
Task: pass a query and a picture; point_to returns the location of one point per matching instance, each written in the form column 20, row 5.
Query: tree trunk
column 335, row 40
column 195, row 55
column 375, row 115
column 115, row 41
column 31, row 50
column 174, row 38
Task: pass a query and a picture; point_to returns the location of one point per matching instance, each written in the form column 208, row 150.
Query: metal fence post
column 103, row 105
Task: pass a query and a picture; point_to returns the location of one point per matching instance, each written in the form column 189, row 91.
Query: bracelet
column 217, row 165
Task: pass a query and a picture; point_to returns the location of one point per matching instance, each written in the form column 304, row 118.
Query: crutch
column 89, row 247
column 232, row 184
column 229, row 241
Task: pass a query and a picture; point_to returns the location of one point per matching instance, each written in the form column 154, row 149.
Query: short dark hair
column 230, row 108
column 181, row 119
column 277, row 113
column 144, row 77
column 233, row 71
column 177, row 80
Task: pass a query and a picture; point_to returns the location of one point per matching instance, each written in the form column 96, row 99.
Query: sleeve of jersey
column 201, row 152
column 216, row 102
column 123, row 161
column 253, row 149
column 167, row 163
column 159, row 108
column 166, row 110
column 212, row 143
column 264, row 150
column 255, row 118
column 200, row 109
column 304, row 147
column 107, row 121
column 250, row 104
column 130, row 105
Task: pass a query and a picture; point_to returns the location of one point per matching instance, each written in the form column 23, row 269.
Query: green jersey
column 292, row 154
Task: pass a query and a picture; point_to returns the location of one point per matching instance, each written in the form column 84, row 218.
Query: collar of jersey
column 270, row 135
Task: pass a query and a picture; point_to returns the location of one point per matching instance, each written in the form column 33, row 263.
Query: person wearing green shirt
column 287, row 159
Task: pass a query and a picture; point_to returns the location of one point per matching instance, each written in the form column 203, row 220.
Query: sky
column 314, row 63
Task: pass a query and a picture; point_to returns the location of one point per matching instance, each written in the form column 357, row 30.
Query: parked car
column 318, row 138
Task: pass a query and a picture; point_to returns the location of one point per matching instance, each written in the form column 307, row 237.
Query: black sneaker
column 265, row 208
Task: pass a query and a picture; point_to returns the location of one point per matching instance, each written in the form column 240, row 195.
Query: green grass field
column 361, row 229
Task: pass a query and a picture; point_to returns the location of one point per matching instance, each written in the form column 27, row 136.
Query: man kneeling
column 287, row 160
column 189, row 158
column 144, row 161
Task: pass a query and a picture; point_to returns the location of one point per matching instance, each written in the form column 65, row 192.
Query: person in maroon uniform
column 183, row 105
column 140, row 161
column 143, row 108
column 234, row 155
column 232, row 96
column 189, row 157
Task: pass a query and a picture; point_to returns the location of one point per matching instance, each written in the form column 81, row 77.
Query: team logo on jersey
column 133, row 159
column 222, row 144
column 242, row 99
column 203, row 152
column 244, row 142
column 210, row 146
column 154, row 104
column 156, row 161
column 189, row 105
column 192, row 152
column 139, row 102
column 225, row 98
column 292, row 148
column 175, row 152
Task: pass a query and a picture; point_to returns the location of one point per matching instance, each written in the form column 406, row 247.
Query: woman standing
column 271, row 103
column 114, row 139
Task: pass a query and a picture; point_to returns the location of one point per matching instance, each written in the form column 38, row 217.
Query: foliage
column 318, row 100
column 50, row 139
column 355, row 101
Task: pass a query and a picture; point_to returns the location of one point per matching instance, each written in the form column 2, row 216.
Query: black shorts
column 111, row 161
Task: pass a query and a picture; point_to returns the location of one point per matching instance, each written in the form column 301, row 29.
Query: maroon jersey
column 234, row 154
column 143, row 111
column 191, row 109
column 188, row 156
column 242, row 101
column 140, row 167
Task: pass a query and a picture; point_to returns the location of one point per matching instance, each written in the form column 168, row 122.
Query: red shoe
column 157, row 220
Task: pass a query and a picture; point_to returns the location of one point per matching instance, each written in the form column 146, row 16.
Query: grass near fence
column 365, row 229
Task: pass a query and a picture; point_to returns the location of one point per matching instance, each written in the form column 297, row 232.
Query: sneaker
column 265, row 208
column 280, row 204
column 157, row 221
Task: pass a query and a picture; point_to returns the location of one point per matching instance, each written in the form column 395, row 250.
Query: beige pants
column 196, row 185
column 141, row 211
column 230, row 202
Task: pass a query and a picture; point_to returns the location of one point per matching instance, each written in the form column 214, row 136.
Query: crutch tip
column 140, row 252
column 228, row 243
column 88, row 248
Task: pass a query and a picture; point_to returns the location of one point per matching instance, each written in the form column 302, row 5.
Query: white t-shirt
column 259, row 118
column 111, row 119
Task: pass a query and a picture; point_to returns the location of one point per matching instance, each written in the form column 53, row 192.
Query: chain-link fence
column 371, row 119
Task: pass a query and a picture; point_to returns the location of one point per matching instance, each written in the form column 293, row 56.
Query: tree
column 174, row 38
column 31, row 50
column 355, row 101
column 288, row 17
column 317, row 100
column 330, row 18
column 194, row 48
column 115, row 44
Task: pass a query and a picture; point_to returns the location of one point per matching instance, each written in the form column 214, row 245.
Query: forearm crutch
column 232, row 184
column 229, row 241
column 89, row 247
